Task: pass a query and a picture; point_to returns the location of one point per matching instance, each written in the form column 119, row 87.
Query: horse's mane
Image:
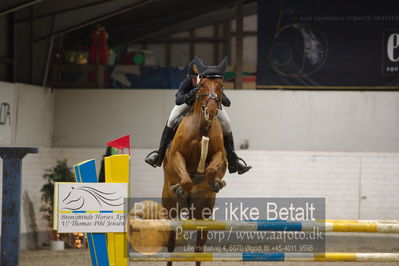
column 190, row 111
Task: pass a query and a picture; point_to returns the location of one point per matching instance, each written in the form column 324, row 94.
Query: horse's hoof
column 217, row 185
column 222, row 183
column 179, row 192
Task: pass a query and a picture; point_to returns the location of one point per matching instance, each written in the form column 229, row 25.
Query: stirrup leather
column 242, row 160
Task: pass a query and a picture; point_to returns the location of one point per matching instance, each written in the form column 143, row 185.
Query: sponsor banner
column 90, row 207
column 328, row 45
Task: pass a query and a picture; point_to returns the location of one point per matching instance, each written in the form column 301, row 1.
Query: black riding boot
column 155, row 158
column 236, row 164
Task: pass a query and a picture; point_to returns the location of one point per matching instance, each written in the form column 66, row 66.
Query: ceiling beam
column 134, row 30
column 95, row 20
column 187, row 40
column 197, row 39
column 161, row 20
column 62, row 11
column 246, row 33
column 196, row 22
column 19, row 6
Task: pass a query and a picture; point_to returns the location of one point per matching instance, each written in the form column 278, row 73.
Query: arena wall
column 337, row 145
column 278, row 120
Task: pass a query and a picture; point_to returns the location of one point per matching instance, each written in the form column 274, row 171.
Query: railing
column 56, row 71
column 55, row 81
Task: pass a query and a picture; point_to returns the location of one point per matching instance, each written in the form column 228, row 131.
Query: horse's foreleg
column 179, row 165
column 215, row 171
column 200, row 242
column 171, row 245
column 216, row 167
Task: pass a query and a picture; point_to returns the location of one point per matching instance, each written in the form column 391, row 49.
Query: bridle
column 212, row 96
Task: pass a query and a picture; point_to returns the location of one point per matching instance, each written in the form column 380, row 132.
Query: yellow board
column 117, row 171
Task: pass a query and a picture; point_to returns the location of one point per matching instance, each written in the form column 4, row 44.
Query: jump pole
column 288, row 257
column 323, row 226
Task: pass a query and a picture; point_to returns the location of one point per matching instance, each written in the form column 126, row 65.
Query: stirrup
column 244, row 168
column 153, row 163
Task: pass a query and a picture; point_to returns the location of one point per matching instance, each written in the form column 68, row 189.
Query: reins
column 212, row 96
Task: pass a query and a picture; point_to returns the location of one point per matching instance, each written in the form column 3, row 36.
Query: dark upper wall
column 37, row 22
column 5, row 48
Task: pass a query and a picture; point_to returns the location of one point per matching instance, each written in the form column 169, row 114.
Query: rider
column 184, row 100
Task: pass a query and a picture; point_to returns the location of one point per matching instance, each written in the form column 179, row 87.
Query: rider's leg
column 235, row 163
column 155, row 158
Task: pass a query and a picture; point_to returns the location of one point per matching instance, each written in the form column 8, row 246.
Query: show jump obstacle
column 354, row 226
column 112, row 248
column 289, row 257
column 357, row 226
column 106, row 248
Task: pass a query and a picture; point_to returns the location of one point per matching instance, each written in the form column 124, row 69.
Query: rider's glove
column 190, row 96
column 225, row 101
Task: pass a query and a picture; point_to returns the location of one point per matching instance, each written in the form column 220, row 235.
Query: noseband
column 212, row 96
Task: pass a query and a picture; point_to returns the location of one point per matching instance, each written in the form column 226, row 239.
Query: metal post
column 11, row 212
column 239, row 45
column 216, row 44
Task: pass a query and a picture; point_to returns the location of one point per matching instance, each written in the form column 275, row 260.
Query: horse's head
column 74, row 200
column 209, row 95
column 72, row 195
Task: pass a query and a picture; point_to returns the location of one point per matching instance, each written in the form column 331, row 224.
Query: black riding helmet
column 207, row 71
column 211, row 72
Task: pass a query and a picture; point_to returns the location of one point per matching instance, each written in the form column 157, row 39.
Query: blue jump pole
column 11, row 212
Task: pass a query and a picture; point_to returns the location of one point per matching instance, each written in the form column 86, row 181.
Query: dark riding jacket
column 186, row 86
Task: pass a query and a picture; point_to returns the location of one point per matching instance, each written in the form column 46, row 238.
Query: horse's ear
column 223, row 65
column 200, row 64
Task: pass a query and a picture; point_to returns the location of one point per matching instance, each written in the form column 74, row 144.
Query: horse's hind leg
column 199, row 246
column 171, row 245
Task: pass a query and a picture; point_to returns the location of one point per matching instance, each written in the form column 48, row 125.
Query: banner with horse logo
column 316, row 44
column 90, row 207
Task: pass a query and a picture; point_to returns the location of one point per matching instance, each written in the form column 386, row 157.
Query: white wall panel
column 355, row 185
column 270, row 120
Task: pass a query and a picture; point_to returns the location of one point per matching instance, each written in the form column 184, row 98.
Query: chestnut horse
column 197, row 147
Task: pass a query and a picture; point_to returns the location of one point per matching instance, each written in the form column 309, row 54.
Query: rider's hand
column 225, row 101
column 189, row 98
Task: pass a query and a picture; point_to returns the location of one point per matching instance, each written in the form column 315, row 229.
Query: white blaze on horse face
column 207, row 114
column 211, row 100
column 210, row 116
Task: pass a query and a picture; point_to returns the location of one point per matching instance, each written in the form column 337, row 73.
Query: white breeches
column 179, row 110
